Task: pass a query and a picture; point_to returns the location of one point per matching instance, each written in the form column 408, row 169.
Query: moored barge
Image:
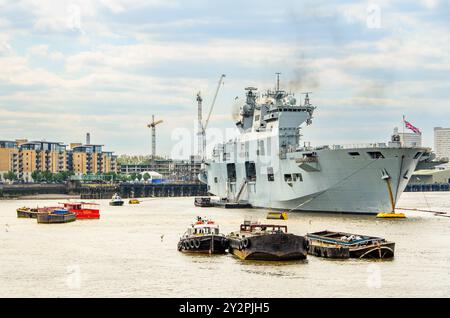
column 24, row 212
column 57, row 215
column 269, row 242
column 203, row 202
column 203, row 237
column 331, row 244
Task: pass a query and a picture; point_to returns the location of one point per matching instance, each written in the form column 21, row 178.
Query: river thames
column 132, row 252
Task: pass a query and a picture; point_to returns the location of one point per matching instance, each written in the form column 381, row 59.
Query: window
column 250, row 171
column 417, row 156
column 375, row 155
column 270, row 176
column 231, row 172
column 353, row 153
column 297, row 177
column 215, row 179
column 288, row 177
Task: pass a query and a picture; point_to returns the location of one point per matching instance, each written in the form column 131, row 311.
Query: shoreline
column 49, row 196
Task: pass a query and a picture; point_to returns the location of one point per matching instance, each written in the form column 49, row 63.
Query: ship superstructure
column 270, row 165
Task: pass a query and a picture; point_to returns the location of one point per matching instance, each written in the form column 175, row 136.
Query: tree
column 146, row 176
column 10, row 176
column 36, row 176
column 139, row 177
column 47, row 176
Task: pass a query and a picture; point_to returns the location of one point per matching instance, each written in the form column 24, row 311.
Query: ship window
column 353, row 153
column 231, row 172
column 375, row 154
column 250, row 171
column 215, row 179
column 288, row 177
column 297, row 177
column 417, row 156
column 270, row 176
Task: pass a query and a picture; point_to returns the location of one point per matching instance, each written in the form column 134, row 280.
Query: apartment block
column 23, row 157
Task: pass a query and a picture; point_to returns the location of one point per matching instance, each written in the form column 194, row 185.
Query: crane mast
column 205, row 125
column 152, row 126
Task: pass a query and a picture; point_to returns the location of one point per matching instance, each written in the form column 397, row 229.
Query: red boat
column 83, row 210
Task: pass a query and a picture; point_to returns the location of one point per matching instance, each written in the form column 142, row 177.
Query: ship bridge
column 277, row 113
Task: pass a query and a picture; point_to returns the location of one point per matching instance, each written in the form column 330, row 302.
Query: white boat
column 116, row 200
column 269, row 165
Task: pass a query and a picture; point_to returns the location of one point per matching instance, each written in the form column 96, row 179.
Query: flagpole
column 403, row 132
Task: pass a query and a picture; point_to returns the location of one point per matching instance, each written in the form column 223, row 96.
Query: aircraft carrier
column 269, row 165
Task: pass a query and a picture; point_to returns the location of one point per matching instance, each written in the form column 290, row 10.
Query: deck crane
column 152, row 125
column 203, row 126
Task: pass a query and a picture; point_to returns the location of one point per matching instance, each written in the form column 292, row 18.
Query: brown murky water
column 123, row 255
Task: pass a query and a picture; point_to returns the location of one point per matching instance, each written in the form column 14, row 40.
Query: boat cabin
column 263, row 228
column 203, row 227
column 79, row 205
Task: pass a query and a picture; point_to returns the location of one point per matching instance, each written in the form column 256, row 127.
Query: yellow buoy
column 391, row 215
column 277, row 215
column 134, row 201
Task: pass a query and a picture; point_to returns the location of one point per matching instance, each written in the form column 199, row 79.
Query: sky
column 105, row 67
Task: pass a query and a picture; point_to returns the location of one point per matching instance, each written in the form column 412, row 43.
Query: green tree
column 10, row 175
column 146, row 176
column 139, row 177
column 36, row 176
column 47, row 176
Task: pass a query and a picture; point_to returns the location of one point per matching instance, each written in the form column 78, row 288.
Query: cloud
column 107, row 65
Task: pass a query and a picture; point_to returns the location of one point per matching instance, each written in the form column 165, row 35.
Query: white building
column 408, row 139
column 442, row 142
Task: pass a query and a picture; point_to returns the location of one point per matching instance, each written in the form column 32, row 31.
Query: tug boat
column 83, row 210
column 331, row 244
column 203, row 237
column 24, row 212
column 266, row 242
column 116, row 200
column 55, row 215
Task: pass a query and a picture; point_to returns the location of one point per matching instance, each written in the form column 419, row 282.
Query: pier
column 127, row 190
column 105, row 191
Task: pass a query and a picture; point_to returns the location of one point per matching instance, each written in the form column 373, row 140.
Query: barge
column 343, row 245
column 56, row 216
column 29, row 213
column 203, row 202
column 268, row 242
column 203, row 237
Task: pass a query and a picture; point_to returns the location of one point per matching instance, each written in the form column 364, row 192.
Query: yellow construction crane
column 152, row 125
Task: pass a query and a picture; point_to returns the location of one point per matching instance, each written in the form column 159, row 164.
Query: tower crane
column 152, row 125
column 202, row 126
